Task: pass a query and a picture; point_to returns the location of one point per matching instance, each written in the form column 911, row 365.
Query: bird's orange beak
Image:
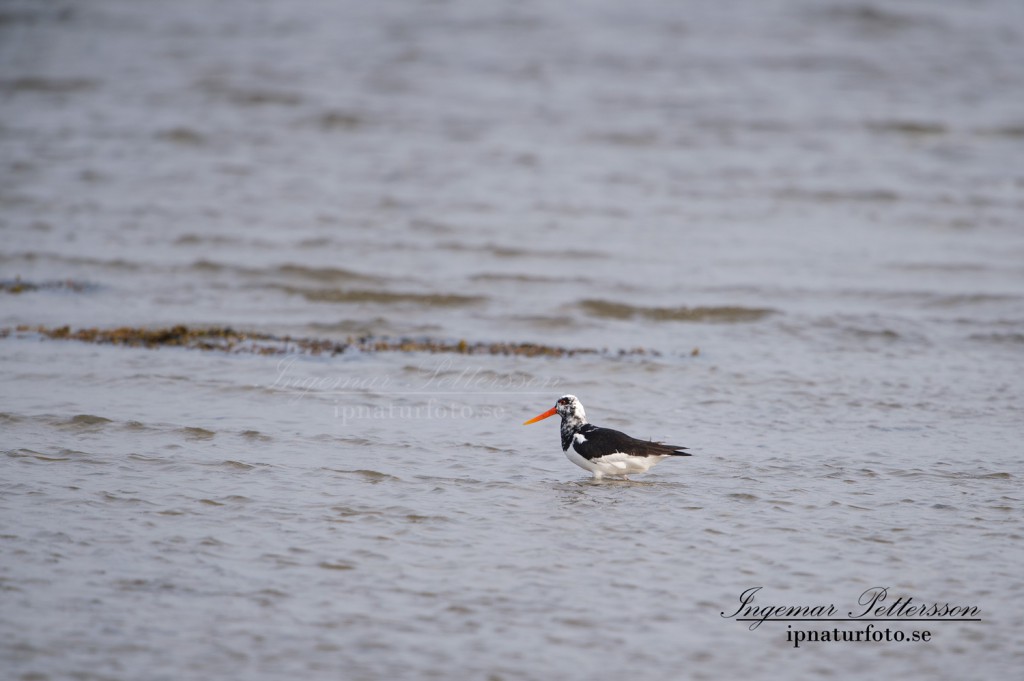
column 540, row 417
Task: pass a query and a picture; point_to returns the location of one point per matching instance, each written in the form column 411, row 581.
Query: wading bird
column 604, row 451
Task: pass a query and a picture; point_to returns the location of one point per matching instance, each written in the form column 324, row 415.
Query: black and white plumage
column 604, row 451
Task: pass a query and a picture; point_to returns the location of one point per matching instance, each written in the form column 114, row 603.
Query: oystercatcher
column 604, row 451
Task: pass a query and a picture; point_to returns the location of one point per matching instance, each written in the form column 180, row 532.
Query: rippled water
column 806, row 214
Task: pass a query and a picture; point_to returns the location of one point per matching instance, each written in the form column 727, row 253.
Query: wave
column 48, row 85
column 723, row 314
column 332, row 295
column 16, row 286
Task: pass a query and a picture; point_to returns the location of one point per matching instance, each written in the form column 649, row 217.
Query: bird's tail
column 671, row 450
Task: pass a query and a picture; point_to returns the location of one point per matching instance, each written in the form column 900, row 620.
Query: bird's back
column 594, row 442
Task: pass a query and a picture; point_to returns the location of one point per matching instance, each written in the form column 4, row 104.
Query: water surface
column 805, row 214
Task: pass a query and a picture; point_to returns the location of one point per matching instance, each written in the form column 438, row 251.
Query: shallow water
column 806, row 214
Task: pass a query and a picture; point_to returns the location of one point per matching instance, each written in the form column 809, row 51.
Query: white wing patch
column 579, row 438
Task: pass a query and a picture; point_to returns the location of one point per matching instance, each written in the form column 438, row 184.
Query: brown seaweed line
column 226, row 339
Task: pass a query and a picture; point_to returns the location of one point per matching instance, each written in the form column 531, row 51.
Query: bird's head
column 567, row 406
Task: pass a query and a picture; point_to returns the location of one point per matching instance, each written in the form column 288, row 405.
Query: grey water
column 808, row 214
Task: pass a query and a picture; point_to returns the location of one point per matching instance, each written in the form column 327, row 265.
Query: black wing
column 603, row 441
